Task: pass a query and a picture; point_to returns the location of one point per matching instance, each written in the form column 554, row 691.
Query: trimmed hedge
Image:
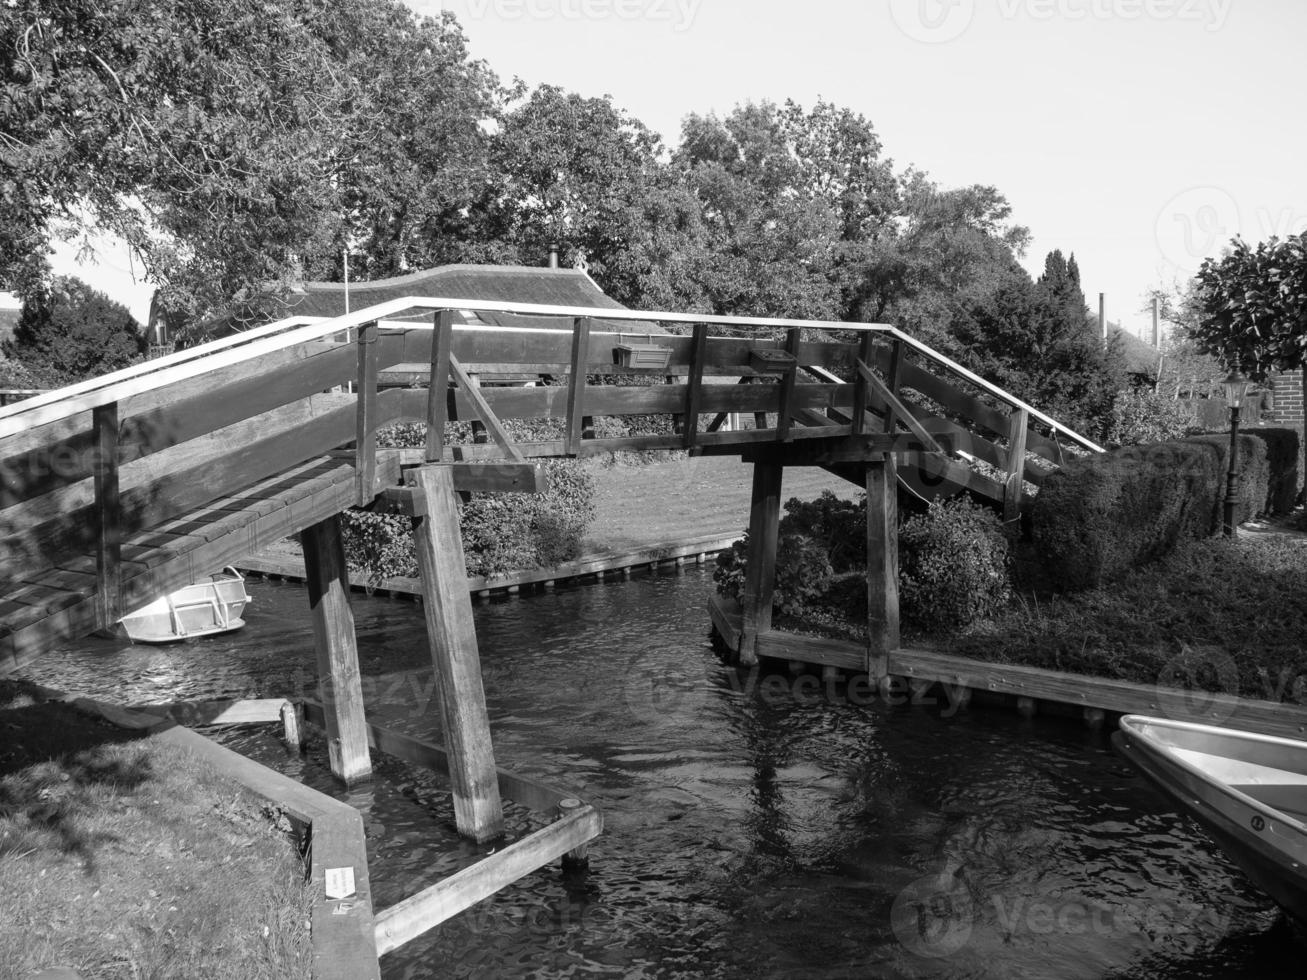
column 1282, row 459
column 1102, row 515
column 1255, row 475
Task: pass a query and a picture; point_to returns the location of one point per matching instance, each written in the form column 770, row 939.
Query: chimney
column 1157, row 323
column 553, row 256
column 1102, row 314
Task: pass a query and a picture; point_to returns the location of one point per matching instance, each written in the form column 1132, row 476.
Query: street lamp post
column 1236, row 389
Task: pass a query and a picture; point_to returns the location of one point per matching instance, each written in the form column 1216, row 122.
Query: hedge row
column 1282, row 448
column 1101, row 515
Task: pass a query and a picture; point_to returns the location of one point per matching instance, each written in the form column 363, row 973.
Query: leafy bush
column 1103, row 514
column 1139, row 415
column 953, row 565
column 803, row 573
column 502, row 532
column 839, row 526
column 1254, row 481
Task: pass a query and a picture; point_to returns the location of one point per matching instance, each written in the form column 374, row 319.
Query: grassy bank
column 125, row 858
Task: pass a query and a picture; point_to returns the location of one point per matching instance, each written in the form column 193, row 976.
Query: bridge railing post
column 365, row 442
column 108, row 514
column 442, row 345
column 576, row 425
column 694, row 384
column 1018, row 426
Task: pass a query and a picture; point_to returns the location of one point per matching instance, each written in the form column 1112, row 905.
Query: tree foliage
column 1253, row 306
column 69, row 331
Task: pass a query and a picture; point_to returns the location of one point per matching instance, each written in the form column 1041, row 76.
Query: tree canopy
column 68, row 331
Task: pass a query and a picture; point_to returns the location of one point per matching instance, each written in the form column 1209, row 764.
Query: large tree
column 235, row 144
column 68, row 331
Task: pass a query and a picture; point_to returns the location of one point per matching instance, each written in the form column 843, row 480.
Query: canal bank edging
column 697, row 550
column 1031, row 690
column 342, row 931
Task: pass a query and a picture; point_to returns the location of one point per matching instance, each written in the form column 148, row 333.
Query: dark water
column 755, row 826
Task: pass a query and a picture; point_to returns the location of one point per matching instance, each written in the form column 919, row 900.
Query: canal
column 756, row 825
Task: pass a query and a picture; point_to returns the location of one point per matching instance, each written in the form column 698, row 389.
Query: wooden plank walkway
column 53, row 604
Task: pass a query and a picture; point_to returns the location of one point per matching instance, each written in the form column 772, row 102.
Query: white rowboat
column 1248, row 791
column 202, row 609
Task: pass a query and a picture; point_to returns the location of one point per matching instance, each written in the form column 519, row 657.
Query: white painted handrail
column 120, row 385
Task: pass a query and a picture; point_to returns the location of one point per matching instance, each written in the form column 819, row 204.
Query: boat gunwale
column 1130, row 731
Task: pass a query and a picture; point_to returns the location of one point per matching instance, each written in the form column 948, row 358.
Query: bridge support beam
column 451, row 632
column 882, row 565
column 337, row 647
column 760, row 575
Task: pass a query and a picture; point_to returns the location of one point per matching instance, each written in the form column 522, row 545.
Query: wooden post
column 882, row 565
column 337, row 648
column 785, row 407
column 576, row 385
column 291, row 726
column 1018, row 426
column 694, row 384
column 365, row 441
column 894, row 381
column 577, row 859
column 866, row 352
column 479, row 434
column 108, row 516
column 442, row 344
column 760, row 575
column 451, row 632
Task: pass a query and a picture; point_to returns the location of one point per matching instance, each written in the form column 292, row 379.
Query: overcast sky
column 1139, row 134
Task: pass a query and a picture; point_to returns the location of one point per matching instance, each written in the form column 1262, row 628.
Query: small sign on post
column 340, row 883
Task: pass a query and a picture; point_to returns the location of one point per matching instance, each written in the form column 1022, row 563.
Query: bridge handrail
column 184, row 365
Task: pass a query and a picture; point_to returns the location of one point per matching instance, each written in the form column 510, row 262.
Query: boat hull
column 202, row 609
column 1247, row 791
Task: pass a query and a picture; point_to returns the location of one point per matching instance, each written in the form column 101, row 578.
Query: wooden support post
column 365, row 439
column 894, row 379
column 442, row 344
column 576, row 385
column 760, row 576
column 1018, row 426
column 882, row 565
column 108, row 517
column 694, row 384
column 866, row 352
column 451, row 632
column 337, row 648
column 292, row 726
column 577, row 859
column 786, row 407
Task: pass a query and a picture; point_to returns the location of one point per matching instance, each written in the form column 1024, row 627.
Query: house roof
column 1140, row 357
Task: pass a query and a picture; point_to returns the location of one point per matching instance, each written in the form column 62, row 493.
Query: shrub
column 1139, row 415
column 839, row 526
column 953, row 564
column 803, row 573
column 1101, row 515
column 501, row 532
column 1255, row 476
column 1283, row 478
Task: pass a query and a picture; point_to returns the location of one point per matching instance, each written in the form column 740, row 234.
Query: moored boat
column 1247, row 791
column 202, row 609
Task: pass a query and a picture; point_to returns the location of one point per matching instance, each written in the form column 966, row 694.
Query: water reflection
column 755, row 826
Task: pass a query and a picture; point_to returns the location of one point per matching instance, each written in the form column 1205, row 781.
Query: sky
column 1140, row 135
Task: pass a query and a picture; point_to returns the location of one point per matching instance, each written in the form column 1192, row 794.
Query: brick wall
column 1287, row 392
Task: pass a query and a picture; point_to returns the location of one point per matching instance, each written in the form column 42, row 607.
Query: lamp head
column 1236, row 389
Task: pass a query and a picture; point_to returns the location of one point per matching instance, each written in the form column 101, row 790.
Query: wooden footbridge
column 122, row 489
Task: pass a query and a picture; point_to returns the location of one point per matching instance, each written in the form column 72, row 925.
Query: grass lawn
column 644, row 505
column 125, row 858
